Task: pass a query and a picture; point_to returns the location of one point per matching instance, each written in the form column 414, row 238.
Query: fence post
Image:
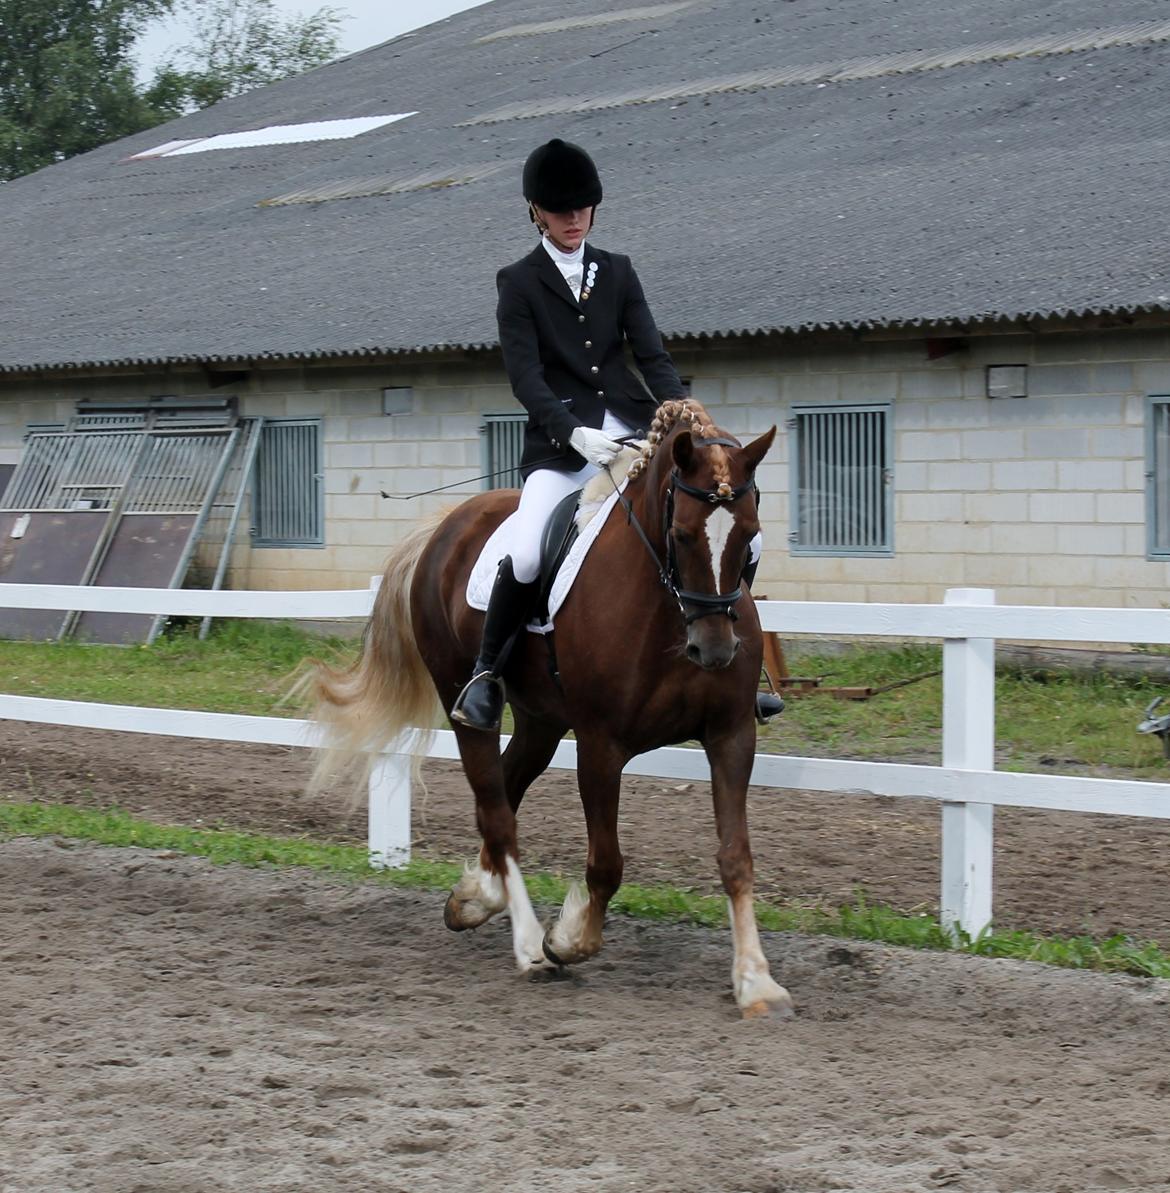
column 388, row 837
column 388, row 823
column 968, row 744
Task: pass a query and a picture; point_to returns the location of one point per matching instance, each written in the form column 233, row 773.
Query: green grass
column 1058, row 723
column 858, row 921
column 1073, row 723
column 242, row 667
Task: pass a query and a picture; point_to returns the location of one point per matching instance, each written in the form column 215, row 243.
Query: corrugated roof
column 596, row 21
column 1019, row 186
column 364, row 188
column 871, row 67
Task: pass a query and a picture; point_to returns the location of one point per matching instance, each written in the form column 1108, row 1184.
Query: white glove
column 596, row 446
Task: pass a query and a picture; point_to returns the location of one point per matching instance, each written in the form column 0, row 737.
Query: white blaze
column 719, row 526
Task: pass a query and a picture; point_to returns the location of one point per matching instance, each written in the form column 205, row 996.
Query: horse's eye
column 683, row 536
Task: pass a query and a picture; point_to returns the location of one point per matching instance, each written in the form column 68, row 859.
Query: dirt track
column 171, row 1026
column 1055, row 872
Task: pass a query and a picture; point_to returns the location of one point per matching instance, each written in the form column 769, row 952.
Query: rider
column 564, row 312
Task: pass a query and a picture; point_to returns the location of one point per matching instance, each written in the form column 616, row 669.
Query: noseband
column 702, row 604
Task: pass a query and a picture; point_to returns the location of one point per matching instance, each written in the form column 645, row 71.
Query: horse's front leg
column 731, row 766
column 576, row 935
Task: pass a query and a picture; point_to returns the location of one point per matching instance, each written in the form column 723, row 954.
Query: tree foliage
column 67, row 72
column 240, row 44
column 67, row 79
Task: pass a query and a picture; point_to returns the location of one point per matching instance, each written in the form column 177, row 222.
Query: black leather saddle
column 560, row 533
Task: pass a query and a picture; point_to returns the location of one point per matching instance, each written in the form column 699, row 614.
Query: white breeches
column 539, row 496
column 542, row 490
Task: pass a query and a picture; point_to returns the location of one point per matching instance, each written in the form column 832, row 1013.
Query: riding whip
column 625, row 439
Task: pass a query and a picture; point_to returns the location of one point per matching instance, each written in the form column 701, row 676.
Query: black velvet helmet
column 560, row 176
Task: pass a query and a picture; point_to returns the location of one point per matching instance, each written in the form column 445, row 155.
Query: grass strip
column 857, row 921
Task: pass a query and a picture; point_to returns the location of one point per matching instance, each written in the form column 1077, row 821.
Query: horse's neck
column 648, row 498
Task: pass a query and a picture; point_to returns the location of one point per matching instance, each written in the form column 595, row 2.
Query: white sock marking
column 527, row 934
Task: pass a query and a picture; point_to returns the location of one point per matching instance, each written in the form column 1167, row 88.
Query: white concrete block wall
column 1042, row 498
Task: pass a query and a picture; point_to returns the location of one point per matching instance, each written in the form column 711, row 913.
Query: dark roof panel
column 959, row 186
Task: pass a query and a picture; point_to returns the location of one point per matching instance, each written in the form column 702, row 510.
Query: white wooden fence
column 967, row 784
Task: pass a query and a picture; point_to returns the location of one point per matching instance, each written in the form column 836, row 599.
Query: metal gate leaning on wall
column 119, row 496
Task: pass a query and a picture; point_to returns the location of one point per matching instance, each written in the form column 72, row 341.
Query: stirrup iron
column 485, row 692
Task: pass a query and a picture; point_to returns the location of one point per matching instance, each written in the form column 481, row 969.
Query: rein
column 703, row 604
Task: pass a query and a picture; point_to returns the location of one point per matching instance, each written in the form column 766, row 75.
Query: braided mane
column 668, row 416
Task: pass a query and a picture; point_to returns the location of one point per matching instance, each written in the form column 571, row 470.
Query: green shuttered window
column 842, row 491
column 1158, row 477
column 503, row 445
column 288, row 491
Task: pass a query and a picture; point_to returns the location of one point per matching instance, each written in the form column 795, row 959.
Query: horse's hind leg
column 731, row 758
column 496, row 882
column 576, row 935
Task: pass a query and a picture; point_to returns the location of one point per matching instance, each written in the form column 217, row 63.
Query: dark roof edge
column 1114, row 318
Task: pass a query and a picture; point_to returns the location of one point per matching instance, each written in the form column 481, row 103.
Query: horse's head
column 710, row 517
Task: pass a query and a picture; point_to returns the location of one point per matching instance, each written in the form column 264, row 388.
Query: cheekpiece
column 560, row 176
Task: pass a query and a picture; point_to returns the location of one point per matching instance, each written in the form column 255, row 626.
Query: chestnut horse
column 652, row 647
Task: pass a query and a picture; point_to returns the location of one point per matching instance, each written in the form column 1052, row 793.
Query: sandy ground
column 172, row 1026
column 1055, row 872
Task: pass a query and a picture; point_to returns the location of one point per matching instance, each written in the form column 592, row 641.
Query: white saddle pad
column 591, row 517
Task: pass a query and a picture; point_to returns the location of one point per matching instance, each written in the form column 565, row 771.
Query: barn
column 925, row 241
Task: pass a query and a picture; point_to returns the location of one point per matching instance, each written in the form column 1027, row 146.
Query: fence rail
column 967, row 786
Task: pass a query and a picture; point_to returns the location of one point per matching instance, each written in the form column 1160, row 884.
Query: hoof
column 779, row 1009
column 550, row 955
column 461, row 914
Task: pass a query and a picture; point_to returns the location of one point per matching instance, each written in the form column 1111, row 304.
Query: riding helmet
column 560, row 176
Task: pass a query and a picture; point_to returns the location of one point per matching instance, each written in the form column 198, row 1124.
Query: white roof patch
column 276, row 134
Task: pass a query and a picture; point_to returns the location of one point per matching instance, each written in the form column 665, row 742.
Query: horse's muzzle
column 712, row 656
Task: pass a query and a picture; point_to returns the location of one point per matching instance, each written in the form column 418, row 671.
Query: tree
column 67, row 79
column 67, row 76
column 240, row 44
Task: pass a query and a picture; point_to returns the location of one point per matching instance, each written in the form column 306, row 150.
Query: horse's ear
column 757, row 450
column 683, row 450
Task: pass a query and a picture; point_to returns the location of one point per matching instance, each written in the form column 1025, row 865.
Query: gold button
column 588, row 343
column 594, row 369
column 580, row 318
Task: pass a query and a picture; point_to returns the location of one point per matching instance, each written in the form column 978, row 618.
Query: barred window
column 503, row 445
column 1158, row 477
column 288, row 491
column 841, row 488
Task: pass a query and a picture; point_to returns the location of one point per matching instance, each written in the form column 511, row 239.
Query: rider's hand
column 596, row 446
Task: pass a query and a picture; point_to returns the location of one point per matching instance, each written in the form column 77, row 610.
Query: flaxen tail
column 387, row 689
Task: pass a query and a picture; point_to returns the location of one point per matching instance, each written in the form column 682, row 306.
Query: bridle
column 702, row 604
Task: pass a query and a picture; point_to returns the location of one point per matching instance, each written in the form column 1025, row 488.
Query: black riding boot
column 481, row 704
column 768, row 704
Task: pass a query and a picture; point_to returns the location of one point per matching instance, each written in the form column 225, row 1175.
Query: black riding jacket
column 565, row 358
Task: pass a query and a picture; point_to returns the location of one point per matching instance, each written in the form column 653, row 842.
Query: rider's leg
column 481, row 703
column 768, row 704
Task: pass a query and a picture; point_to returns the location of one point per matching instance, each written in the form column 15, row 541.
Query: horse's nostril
column 693, row 652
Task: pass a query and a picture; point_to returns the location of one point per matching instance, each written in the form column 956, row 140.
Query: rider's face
column 566, row 229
